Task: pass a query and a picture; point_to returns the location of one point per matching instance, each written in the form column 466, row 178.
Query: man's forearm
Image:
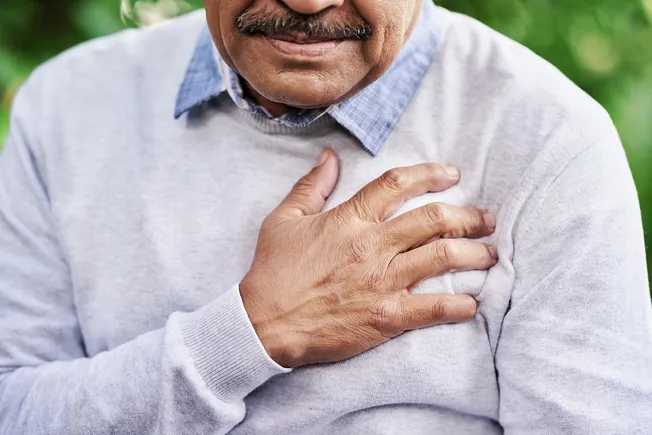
column 153, row 381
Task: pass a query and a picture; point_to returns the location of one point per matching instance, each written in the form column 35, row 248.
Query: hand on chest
column 465, row 282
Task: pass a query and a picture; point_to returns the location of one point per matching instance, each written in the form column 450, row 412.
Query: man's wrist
column 225, row 348
column 275, row 336
column 279, row 345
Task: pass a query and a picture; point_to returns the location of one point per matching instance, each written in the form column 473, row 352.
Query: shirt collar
column 370, row 116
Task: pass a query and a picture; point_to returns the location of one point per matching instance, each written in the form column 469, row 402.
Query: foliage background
column 605, row 46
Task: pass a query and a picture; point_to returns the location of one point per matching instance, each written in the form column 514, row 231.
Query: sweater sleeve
column 189, row 377
column 575, row 351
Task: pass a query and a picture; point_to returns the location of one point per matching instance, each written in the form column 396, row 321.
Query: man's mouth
column 298, row 38
column 299, row 44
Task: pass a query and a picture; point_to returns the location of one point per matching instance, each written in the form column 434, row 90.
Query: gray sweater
column 124, row 234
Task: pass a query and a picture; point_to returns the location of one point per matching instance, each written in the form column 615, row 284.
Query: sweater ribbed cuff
column 225, row 348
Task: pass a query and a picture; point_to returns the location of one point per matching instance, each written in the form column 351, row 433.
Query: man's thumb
column 310, row 193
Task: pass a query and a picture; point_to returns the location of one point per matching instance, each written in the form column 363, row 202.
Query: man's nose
column 310, row 7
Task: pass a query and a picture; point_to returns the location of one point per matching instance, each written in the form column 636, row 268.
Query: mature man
column 139, row 293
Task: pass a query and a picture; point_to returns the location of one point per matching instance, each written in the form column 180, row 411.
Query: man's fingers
column 421, row 311
column 385, row 195
column 311, row 191
column 438, row 220
column 438, row 258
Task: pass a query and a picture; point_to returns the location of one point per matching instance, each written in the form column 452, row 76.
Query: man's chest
column 172, row 234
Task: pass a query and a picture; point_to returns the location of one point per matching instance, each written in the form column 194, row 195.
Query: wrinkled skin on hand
column 326, row 286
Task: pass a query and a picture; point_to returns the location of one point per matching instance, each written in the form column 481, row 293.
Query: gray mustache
column 313, row 26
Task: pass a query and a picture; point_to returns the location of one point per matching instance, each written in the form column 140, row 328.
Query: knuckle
column 332, row 299
column 305, row 183
column 302, row 194
column 395, row 180
column 486, row 250
column 438, row 310
column 385, row 316
column 357, row 205
column 445, row 253
column 358, row 250
column 375, row 279
column 434, row 214
column 478, row 217
column 473, row 221
column 465, row 226
column 337, row 217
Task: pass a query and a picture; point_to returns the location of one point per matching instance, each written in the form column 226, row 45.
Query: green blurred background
column 605, row 46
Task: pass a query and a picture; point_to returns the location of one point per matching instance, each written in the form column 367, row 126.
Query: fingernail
column 489, row 220
column 452, row 171
column 468, row 304
column 322, row 158
column 493, row 251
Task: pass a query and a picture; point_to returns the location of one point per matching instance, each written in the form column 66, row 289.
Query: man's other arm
column 575, row 351
column 148, row 385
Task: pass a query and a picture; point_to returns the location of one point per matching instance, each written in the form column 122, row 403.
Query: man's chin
column 306, row 93
column 306, row 104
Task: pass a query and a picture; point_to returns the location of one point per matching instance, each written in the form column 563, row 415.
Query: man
column 150, row 282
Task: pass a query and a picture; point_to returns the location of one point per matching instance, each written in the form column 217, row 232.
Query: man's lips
column 300, row 45
column 298, row 38
column 305, row 49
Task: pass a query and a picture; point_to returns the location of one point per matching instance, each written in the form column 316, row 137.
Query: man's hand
column 324, row 287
